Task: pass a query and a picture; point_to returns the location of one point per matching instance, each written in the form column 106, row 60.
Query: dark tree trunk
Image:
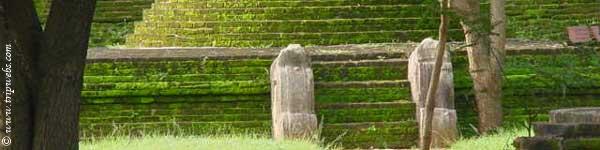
column 47, row 72
column 21, row 29
column 61, row 63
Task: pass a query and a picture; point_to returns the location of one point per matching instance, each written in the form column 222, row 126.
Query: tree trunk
column 498, row 42
column 61, row 64
column 426, row 137
column 483, row 68
column 47, row 71
column 21, row 30
column 498, row 37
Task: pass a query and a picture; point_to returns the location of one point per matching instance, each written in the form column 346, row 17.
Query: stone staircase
column 257, row 23
column 266, row 23
column 362, row 97
column 361, row 91
column 365, row 102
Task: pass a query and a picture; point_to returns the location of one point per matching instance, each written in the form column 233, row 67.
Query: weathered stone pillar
column 420, row 68
column 292, row 94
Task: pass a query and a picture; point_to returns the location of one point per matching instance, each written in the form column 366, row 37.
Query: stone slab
column 566, row 130
column 579, row 34
column 596, row 32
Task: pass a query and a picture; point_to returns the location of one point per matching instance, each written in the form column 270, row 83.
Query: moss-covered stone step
column 162, row 111
column 366, row 115
column 362, row 84
column 287, row 27
column 168, row 4
column 277, row 35
column 374, row 105
column 284, row 13
column 282, row 39
column 178, row 92
column 272, row 13
column 362, row 63
column 185, row 118
column 179, row 106
column 555, row 27
column 554, row 9
column 338, row 95
column 296, row 24
column 537, row 2
column 578, row 16
column 359, row 73
column 148, row 99
column 175, row 78
column 188, row 128
column 541, row 81
column 175, row 71
column 183, row 42
column 177, row 67
column 172, row 85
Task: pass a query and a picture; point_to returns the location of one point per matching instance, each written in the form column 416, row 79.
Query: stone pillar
column 420, row 68
column 292, row 94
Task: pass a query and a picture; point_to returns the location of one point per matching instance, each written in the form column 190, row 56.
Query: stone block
column 292, row 94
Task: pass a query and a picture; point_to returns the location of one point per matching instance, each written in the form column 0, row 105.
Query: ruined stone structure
column 362, row 94
column 568, row 129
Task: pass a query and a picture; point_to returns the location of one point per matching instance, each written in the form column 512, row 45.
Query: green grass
column 502, row 140
column 168, row 142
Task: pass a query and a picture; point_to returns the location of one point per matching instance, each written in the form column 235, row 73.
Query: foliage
column 502, row 139
column 229, row 142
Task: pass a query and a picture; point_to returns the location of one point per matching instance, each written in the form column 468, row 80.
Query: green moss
column 172, row 85
column 84, row 114
column 177, row 92
column 176, row 78
column 183, row 118
column 335, row 95
column 365, row 115
column 359, row 73
column 193, row 128
column 174, row 99
column 239, row 104
column 581, row 144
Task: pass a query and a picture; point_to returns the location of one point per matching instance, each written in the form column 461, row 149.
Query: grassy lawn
column 243, row 142
column 502, row 140
column 499, row 141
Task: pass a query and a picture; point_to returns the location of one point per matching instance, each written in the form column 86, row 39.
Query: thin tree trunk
column 498, row 37
column 498, row 42
column 435, row 78
column 483, row 68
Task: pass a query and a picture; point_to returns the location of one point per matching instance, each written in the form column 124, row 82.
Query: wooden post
column 292, row 94
column 426, row 114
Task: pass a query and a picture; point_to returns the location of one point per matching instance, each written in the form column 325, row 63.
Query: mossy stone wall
column 264, row 23
column 261, row 23
column 367, row 104
column 204, row 96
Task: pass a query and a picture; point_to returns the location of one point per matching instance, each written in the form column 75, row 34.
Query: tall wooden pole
column 435, row 78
